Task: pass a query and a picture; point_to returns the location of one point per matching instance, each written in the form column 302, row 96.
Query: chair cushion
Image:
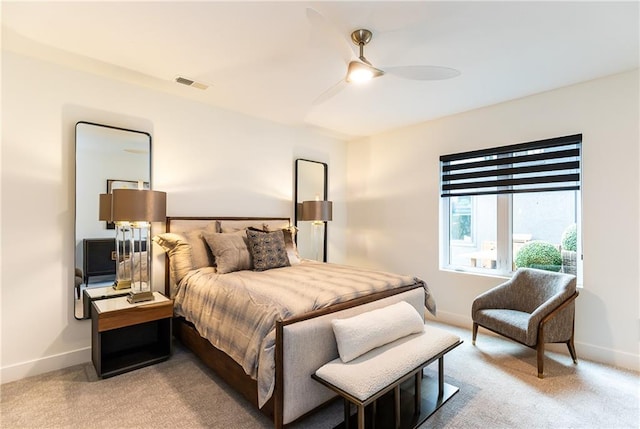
column 511, row 323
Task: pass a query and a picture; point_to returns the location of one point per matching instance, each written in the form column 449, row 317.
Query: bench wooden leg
column 396, row 405
column 347, row 413
column 360, row 416
column 417, row 393
column 374, row 414
column 440, row 377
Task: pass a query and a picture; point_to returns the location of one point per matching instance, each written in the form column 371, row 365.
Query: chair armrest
column 493, row 298
column 550, row 308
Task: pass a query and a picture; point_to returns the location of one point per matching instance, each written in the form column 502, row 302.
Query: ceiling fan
column 361, row 70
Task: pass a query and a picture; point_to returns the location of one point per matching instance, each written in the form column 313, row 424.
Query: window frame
column 504, row 217
column 504, row 233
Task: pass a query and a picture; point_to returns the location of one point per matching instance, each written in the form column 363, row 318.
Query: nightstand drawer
column 134, row 315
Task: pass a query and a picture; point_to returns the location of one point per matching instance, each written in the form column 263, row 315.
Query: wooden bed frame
column 233, row 374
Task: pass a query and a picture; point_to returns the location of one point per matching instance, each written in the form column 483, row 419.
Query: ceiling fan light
column 360, row 72
column 360, row 75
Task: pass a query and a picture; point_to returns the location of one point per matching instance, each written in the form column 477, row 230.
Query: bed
column 266, row 330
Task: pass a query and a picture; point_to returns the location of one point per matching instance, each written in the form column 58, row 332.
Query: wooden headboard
column 182, row 224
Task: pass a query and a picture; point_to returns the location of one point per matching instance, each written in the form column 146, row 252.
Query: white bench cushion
column 368, row 374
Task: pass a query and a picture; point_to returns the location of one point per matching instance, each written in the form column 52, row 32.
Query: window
column 512, row 206
column 461, row 219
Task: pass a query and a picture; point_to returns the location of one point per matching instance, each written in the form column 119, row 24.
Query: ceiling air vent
column 190, row 82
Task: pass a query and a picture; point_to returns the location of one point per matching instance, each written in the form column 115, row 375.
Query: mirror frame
column 81, row 313
column 298, row 198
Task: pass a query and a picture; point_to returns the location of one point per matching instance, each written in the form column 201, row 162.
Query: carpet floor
column 497, row 380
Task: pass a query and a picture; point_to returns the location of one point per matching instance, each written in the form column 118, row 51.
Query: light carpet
column 497, row 380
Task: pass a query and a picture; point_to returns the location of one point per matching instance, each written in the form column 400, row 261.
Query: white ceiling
column 268, row 59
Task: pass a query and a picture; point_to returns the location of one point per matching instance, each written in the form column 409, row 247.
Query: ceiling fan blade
column 331, row 92
column 423, row 72
column 330, row 33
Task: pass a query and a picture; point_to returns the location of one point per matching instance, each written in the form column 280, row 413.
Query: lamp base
column 135, row 297
column 122, row 284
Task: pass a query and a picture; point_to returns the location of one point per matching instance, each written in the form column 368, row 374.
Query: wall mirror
column 310, row 185
column 107, row 158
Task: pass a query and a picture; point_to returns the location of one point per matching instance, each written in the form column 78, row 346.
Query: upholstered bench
column 363, row 379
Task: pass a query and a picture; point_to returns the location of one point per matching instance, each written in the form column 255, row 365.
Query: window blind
column 539, row 166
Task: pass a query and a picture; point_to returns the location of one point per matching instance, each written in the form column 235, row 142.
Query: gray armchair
column 534, row 307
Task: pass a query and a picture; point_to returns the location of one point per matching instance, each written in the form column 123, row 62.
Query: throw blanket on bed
column 237, row 311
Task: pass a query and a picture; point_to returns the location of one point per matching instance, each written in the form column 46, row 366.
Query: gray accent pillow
column 268, row 249
column 230, row 250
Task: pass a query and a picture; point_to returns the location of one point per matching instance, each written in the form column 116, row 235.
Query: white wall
column 209, row 161
column 394, row 216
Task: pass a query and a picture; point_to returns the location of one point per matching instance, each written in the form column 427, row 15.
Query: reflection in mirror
column 107, row 158
column 310, row 185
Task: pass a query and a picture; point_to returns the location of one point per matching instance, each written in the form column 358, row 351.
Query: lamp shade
column 104, row 212
column 138, row 205
column 317, row 210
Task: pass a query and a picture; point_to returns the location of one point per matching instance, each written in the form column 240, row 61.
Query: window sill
column 478, row 272
column 490, row 273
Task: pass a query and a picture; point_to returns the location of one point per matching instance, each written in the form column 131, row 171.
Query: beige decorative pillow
column 201, row 255
column 179, row 251
column 230, row 250
column 188, row 251
column 267, row 249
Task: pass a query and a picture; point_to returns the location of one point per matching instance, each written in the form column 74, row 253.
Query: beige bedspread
column 237, row 311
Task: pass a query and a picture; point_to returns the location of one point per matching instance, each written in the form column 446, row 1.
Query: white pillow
column 359, row 334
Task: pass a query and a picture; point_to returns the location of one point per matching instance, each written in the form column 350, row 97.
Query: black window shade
column 539, row 166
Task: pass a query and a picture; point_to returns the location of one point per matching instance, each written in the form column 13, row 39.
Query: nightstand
column 128, row 336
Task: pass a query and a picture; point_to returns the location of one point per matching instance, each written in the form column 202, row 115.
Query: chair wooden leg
column 540, row 349
column 572, row 350
column 475, row 333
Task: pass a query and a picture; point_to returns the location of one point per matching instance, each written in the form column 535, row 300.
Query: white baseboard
column 452, row 319
column 607, row 356
column 45, row 364
column 616, row 358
